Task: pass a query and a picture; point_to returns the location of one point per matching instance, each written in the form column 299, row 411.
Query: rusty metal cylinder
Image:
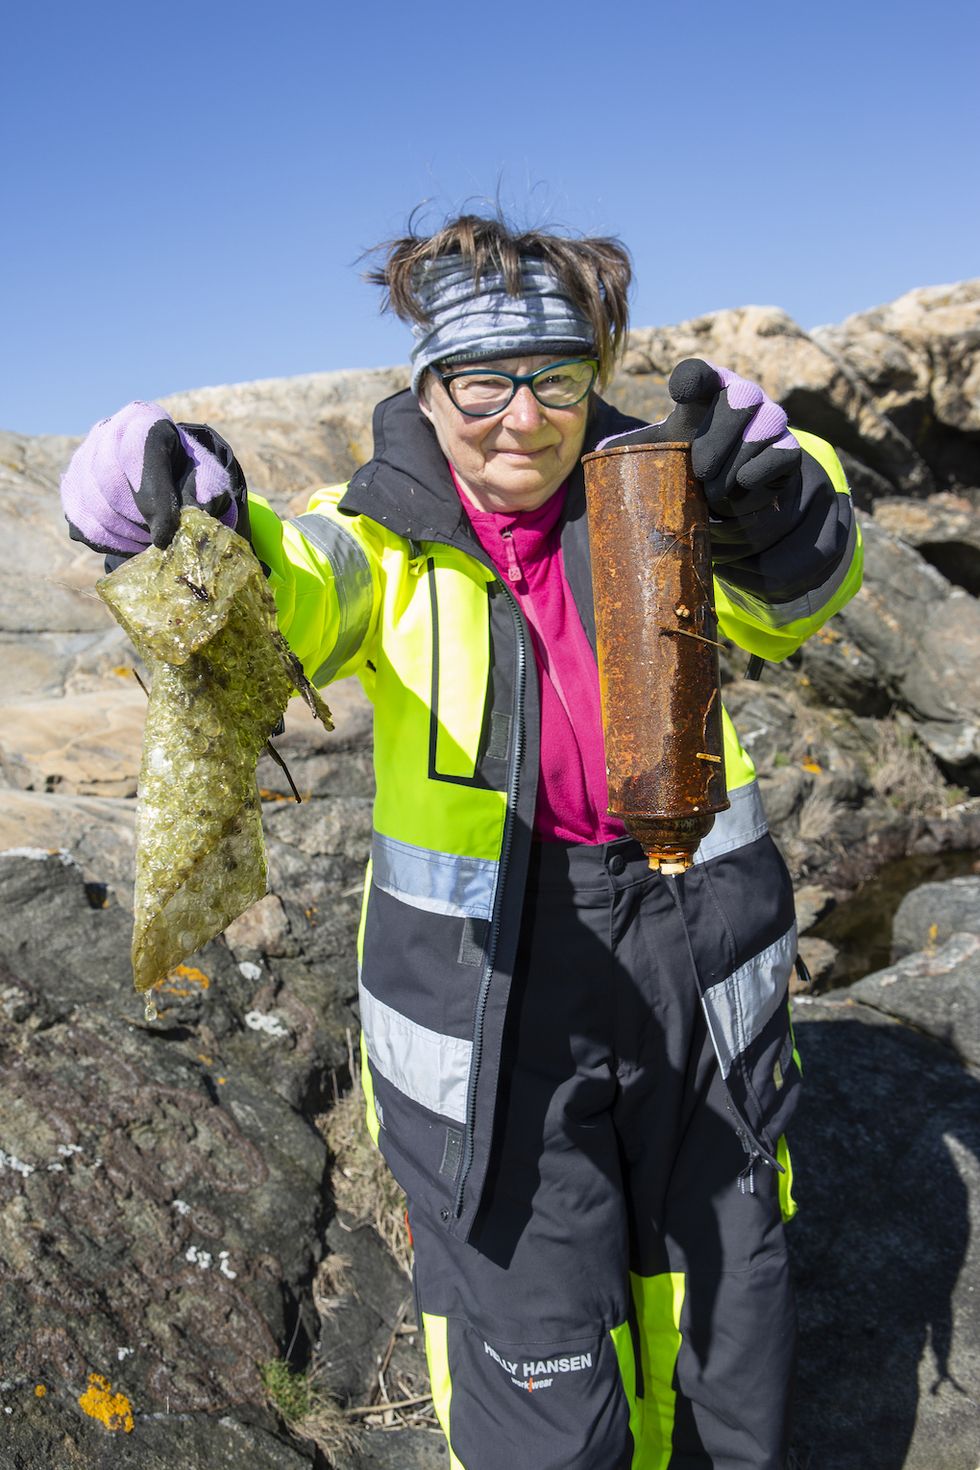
column 657, row 647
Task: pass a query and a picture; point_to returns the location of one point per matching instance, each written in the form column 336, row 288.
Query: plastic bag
column 203, row 619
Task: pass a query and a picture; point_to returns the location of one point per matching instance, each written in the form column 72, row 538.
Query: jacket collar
column 407, row 486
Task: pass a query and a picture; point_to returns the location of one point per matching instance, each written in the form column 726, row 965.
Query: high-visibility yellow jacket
column 384, row 579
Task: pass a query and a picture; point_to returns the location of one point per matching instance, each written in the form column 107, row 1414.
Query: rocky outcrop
column 945, row 529
column 909, row 642
column 162, row 1205
column 889, row 1183
column 164, row 1192
column 867, row 750
column 920, row 358
column 932, row 913
column 885, row 1249
column 815, row 386
column 895, row 389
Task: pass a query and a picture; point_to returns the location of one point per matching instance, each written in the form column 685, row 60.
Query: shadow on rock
column 887, row 1148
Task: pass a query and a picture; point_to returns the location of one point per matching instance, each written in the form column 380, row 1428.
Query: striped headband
column 466, row 323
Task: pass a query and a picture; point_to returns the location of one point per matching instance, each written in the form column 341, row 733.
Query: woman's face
column 517, row 458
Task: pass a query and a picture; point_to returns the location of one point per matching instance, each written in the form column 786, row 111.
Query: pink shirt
column 526, row 550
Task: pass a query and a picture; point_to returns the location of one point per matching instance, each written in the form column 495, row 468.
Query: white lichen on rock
column 267, row 1022
column 10, row 1161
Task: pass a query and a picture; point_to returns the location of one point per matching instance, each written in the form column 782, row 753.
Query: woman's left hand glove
column 741, row 450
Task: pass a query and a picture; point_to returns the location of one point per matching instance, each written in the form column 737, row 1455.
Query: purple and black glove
column 130, row 476
column 741, row 450
column 779, row 529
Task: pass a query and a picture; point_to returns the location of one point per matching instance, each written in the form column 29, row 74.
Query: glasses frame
column 517, row 381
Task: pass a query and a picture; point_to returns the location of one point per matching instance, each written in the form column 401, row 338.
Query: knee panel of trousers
column 554, row 1405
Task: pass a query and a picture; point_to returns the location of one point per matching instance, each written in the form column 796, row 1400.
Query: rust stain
column 657, row 645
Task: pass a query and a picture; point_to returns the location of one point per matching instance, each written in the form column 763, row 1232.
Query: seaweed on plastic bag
column 204, row 621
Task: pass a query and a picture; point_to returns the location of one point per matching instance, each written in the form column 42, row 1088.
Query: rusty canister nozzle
column 657, row 646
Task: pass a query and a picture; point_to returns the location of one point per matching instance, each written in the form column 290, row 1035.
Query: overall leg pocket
column 553, row 1405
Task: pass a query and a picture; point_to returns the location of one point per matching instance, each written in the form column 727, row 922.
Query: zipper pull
column 746, row 1180
column 515, row 572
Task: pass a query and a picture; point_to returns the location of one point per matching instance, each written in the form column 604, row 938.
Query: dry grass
column 331, row 1284
column 363, row 1187
column 307, row 1409
column 819, row 817
column 329, row 1426
column 903, row 771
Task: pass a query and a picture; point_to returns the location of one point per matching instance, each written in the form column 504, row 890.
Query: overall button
column 617, row 864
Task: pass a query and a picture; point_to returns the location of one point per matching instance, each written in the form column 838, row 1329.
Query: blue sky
column 187, row 189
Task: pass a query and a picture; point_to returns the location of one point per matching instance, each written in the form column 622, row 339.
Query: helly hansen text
column 572, row 1364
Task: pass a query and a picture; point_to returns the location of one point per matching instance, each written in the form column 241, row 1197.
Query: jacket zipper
column 513, row 784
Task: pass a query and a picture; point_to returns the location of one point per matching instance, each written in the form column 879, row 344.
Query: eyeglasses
column 480, row 394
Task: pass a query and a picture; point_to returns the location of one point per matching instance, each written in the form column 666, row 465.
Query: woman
column 579, row 1071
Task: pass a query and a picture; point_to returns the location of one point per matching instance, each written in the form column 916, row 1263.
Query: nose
column 524, row 410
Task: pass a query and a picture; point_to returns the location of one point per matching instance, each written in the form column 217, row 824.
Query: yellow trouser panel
column 367, row 1087
column 658, row 1301
column 367, row 1082
column 623, row 1343
column 787, row 1204
column 436, row 1331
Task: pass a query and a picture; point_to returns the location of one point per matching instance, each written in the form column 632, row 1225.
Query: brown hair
column 594, row 273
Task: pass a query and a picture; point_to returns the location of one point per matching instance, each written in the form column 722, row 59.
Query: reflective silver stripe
column 744, row 821
column 439, row 882
column 779, row 614
column 432, row 1069
column 352, row 579
column 739, row 1007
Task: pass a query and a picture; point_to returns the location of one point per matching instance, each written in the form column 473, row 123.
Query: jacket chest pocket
column 458, row 715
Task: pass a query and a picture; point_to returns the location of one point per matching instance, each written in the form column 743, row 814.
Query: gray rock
column 356, row 1332
column 98, row 831
column 813, row 902
column 937, row 991
column 920, row 359
column 407, row 1449
column 161, row 1207
column 818, row 389
column 820, row 958
column 885, row 1247
column 944, row 529
column 909, row 639
column 48, row 1433
column 934, row 912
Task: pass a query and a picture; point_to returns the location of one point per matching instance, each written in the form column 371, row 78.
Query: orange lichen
column 189, row 975
column 39, row 1390
column 814, row 766
column 190, row 972
column 113, row 1410
column 202, row 1057
column 221, row 1081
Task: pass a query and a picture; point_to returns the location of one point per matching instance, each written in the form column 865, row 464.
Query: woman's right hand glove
column 130, row 476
